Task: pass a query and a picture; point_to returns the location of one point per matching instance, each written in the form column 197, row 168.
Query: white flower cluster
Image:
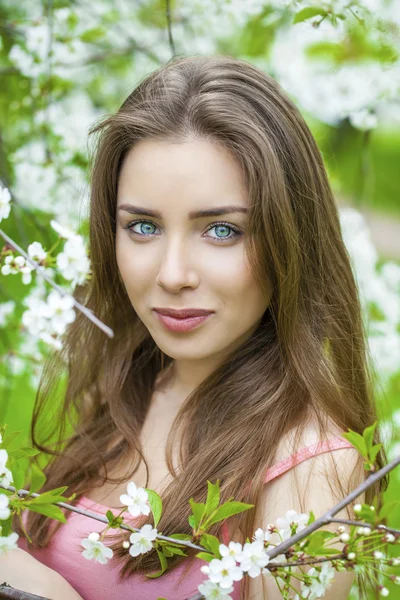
column 18, row 264
column 250, row 559
column 5, row 473
column 379, row 288
column 6, row 542
column 139, row 542
column 318, row 581
column 5, row 199
column 365, row 92
column 73, row 261
column 48, row 319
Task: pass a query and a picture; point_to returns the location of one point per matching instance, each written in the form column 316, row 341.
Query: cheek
column 134, row 269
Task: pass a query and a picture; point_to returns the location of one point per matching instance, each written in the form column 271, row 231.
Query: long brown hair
column 308, row 355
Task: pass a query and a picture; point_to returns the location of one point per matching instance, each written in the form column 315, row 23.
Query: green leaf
column 368, row 435
column 210, row 542
column 176, row 550
column 19, row 453
column 49, row 498
column 213, row 496
column 164, row 565
column 308, row 13
column 9, row 439
column 322, row 551
column 389, row 509
column 155, row 505
column 317, row 540
column 192, row 521
column 373, row 453
column 92, row 35
column 110, row 516
column 198, row 510
column 38, row 478
column 18, row 470
column 311, row 518
column 49, row 510
column 358, row 442
column 227, row 510
column 205, row 556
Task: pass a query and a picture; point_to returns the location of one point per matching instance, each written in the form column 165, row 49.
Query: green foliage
column 365, row 445
column 155, row 505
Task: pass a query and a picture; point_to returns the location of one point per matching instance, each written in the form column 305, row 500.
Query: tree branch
column 86, row 311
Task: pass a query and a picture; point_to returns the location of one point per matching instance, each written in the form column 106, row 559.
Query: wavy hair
column 308, row 355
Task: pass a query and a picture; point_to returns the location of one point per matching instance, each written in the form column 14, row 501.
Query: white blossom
column 363, row 119
column 322, row 578
column 5, row 310
column 73, row 261
column 253, row 558
column 5, row 198
column 37, row 252
column 4, row 510
column 223, row 571
column 8, row 542
column 96, row 550
column 136, row 500
column 62, row 230
column 142, row 541
column 5, row 473
column 233, row 549
column 212, row 591
column 270, row 535
column 59, row 309
column 292, row 518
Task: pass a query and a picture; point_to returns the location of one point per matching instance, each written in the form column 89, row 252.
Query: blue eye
column 235, row 232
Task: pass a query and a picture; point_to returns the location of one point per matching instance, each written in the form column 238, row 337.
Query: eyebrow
column 195, row 214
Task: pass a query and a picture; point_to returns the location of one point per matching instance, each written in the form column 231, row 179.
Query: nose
column 177, row 267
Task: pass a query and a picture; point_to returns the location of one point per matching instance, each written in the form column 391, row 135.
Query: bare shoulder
column 306, row 435
column 316, row 483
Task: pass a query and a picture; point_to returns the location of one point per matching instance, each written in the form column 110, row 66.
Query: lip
column 182, row 325
column 183, row 313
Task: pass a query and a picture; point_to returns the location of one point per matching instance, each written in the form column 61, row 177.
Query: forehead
column 196, row 174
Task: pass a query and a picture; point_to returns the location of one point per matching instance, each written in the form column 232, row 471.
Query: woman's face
column 173, row 260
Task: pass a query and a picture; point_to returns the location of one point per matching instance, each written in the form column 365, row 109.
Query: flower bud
column 94, row 536
column 383, row 591
column 395, row 562
column 351, row 555
column 379, row 555
column 125, row 544
column 344, row 537
column 389, row 537
column 366, row 530
column 357, row 508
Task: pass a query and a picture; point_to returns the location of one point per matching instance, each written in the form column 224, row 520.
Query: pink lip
column 181, row 325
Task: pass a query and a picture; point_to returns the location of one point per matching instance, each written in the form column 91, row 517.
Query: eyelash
column 235, row 230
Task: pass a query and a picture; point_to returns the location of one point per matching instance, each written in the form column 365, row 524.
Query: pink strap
column 288, row 463
column 308, row 452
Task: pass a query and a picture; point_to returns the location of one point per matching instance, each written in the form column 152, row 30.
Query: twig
column 91, row 515
column 86, row 311
column 359, row 524
column 6, row 591
column 169, row 25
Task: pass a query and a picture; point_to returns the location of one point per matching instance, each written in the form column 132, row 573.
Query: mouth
column 183, row 313
column 182, row 324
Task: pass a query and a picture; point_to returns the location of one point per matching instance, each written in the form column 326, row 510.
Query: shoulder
column 316, row 483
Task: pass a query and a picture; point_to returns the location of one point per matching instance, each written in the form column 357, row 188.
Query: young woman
column 208, row 194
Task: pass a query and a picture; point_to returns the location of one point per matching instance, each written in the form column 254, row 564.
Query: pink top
column 94, row 581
